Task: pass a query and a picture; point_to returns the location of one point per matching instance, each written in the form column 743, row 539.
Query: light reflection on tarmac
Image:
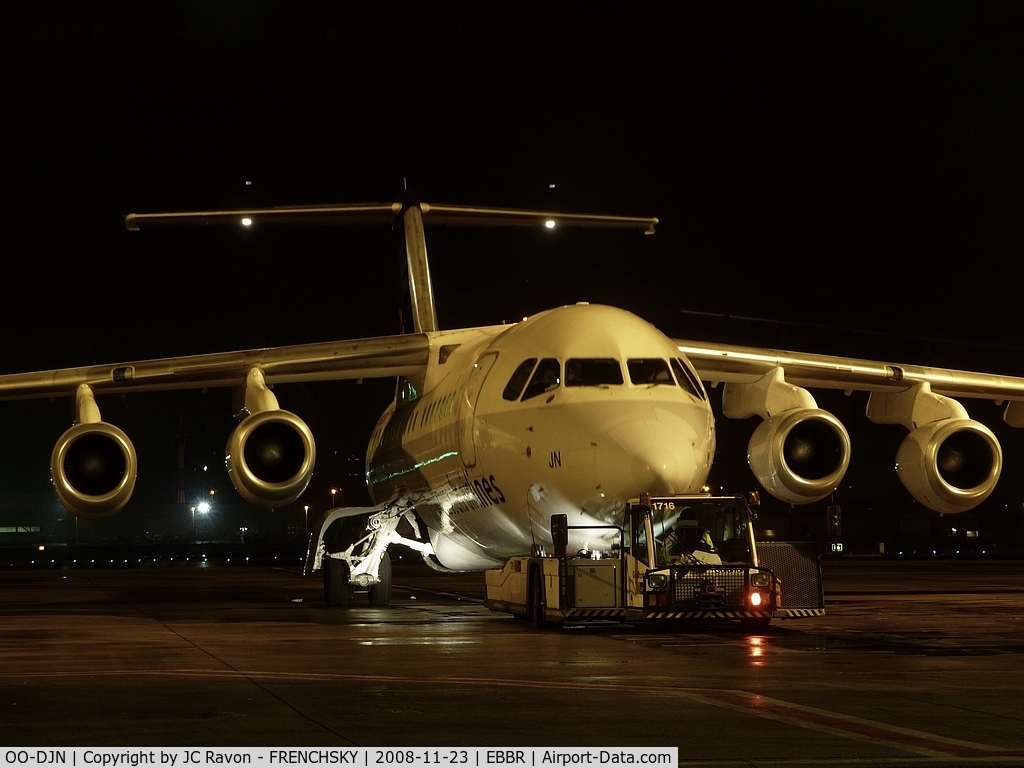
column 914, row 664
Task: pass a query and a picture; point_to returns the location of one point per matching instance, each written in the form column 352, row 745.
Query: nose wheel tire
column 335, row 582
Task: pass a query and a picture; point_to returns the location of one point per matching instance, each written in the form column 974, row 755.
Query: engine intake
column 93, row 467
column 270, row 458
column 799, row 455
column 950, row 465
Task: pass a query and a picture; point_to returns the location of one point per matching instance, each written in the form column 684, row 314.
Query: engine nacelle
column 950, row 465
column 93, row 466
column 270, row 458
column 799, row 455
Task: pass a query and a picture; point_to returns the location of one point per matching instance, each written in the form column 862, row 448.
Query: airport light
column 550, row 223
column 203, row 507
column 246, row 222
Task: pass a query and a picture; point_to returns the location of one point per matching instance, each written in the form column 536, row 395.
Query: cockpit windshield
column 518, row 380
column 688, row 379
column 649, row 371
column 545, row 378
column 597, row 372
column 592, row 372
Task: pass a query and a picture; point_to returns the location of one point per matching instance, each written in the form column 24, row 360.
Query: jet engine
column 93, row 467
column 799, row 455
column 950, row 465
column 270, row 457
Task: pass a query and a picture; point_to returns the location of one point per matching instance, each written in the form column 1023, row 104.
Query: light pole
column 193, row 525
column 305, row 536
column 334, row 492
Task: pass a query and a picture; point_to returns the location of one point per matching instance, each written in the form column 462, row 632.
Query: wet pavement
column 915, row 663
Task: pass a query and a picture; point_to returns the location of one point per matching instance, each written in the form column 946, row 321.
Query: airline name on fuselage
column 487, row 490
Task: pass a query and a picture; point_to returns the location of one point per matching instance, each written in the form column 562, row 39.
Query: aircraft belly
column 459, row 553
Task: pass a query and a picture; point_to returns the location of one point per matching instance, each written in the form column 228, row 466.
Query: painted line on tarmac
column 422, row 590
column 850, row 726
column 813, row 718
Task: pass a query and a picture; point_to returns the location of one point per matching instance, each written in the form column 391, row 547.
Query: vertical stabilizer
column 421, row 291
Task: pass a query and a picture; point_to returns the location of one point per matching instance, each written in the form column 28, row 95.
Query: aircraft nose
column 648, row 455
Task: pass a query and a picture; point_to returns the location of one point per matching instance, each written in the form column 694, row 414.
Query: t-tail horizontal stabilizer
column 414, row 216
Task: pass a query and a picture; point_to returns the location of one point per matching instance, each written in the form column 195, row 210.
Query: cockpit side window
column 592, row 372
column 515, row 385
column 688, row 379
column 407, row 390
column 545, row 378
column 649, row 371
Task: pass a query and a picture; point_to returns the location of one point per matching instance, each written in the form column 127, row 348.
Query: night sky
column 850, row 175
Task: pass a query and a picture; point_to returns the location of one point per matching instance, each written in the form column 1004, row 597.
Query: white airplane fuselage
column 487, row 456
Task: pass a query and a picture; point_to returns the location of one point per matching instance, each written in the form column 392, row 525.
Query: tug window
column 688, row 379
column 649, row 371
column 515, row 385
column 595, row 372
column 545, row 378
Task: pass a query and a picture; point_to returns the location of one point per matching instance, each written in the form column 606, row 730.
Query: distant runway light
column 550, row 223
column 246, row 222
column 551, row 186
column 248, row 183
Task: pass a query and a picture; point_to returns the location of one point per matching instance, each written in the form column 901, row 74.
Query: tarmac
column 914, row 663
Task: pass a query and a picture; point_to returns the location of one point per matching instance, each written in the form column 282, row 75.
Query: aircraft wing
column 744, row 365
column 383, row 356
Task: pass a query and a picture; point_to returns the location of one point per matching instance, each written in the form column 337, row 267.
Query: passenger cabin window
column 688, row 379
column 545, row 378
column 515, row 385
column 595, row 372
column 649, row 371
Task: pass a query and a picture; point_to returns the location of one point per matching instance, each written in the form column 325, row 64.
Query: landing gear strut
column 352, row 550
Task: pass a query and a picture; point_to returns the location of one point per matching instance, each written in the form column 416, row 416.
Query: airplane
column 494, row 429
